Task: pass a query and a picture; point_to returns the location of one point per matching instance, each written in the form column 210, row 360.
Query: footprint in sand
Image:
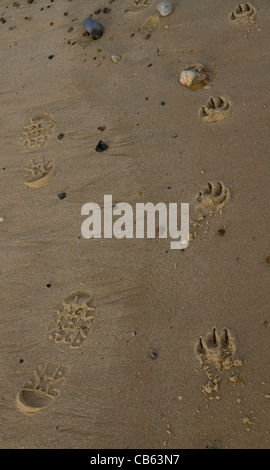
column 137, row 5
column 39, row 173
column 244, row 13
column 211, row 199
column 74, row 322
column 40, row 391
column 151, row 23
column 215, row 110
column 40, row 129
column 216, row 352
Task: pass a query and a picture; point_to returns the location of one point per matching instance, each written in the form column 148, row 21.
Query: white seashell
column 165, row 8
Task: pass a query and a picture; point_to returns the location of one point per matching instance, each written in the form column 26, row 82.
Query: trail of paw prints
column 216, row 109
column 212, row 199
column 75, row 321
column 40, row 129
column 244, row 13
column 39, row 173
column 41, row 391
column 216, row 353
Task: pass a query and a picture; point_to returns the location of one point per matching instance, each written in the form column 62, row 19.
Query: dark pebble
column 174, row 136
column 162, row 103
column 101, row 128
column 60, row 136
column 221, row 232
column 106, row 10
column 101, row 146
column 51, row 57
column 62, row 195
column 93, row 28
column 21, row 361
column 154, row 355
column 30, row 1
column 48, row 285
column 3, row 20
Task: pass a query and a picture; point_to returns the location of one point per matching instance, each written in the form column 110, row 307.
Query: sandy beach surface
column 125, row 343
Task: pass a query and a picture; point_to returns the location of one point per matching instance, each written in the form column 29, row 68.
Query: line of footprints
column 215, row 351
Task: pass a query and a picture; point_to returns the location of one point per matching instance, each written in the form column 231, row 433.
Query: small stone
column 221, row 232
column 174, row 136
column 101, row 128
column 116, row 59
column 51, row 57
column 21, row 361
column 194, row 76
column 3, row 20
column 62, row 195
column 106, row 10
column 93, row 28
column 1, row 219
column 165, row 8
column 101, row 146
column 60, row 136
column 154, row 355
column 268, row 260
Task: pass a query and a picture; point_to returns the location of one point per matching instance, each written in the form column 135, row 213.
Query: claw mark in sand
column 75, row 320
column 40, row 391
column 216, row 352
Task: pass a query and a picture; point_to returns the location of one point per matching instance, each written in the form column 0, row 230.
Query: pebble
column 165, row 8
column 116, row 58
column 93, row 28
column 1, row 219
column 62, row 195
column 101, row 146
column 194, row 77
column 154, row 355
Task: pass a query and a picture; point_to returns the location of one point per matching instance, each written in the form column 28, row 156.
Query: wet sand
column 203, row 311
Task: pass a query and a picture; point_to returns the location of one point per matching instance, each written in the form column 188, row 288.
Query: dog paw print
column 41, row 390
column 38, row 131
column 75, row 320
column 216, row 352
column 215, row 110
column 244, row 13
column 39, row 173
column 136, row 5
column 214, row 196
column 216, row 348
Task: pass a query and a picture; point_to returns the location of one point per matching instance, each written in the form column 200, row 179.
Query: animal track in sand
column 216, row 352
column 215, row 110
column 39, row 173
column 137, row 5
column 40, row 391
column 76, row 319
column 244, row 13
column 151, row 23
column 214, row 196
column 38, row 131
